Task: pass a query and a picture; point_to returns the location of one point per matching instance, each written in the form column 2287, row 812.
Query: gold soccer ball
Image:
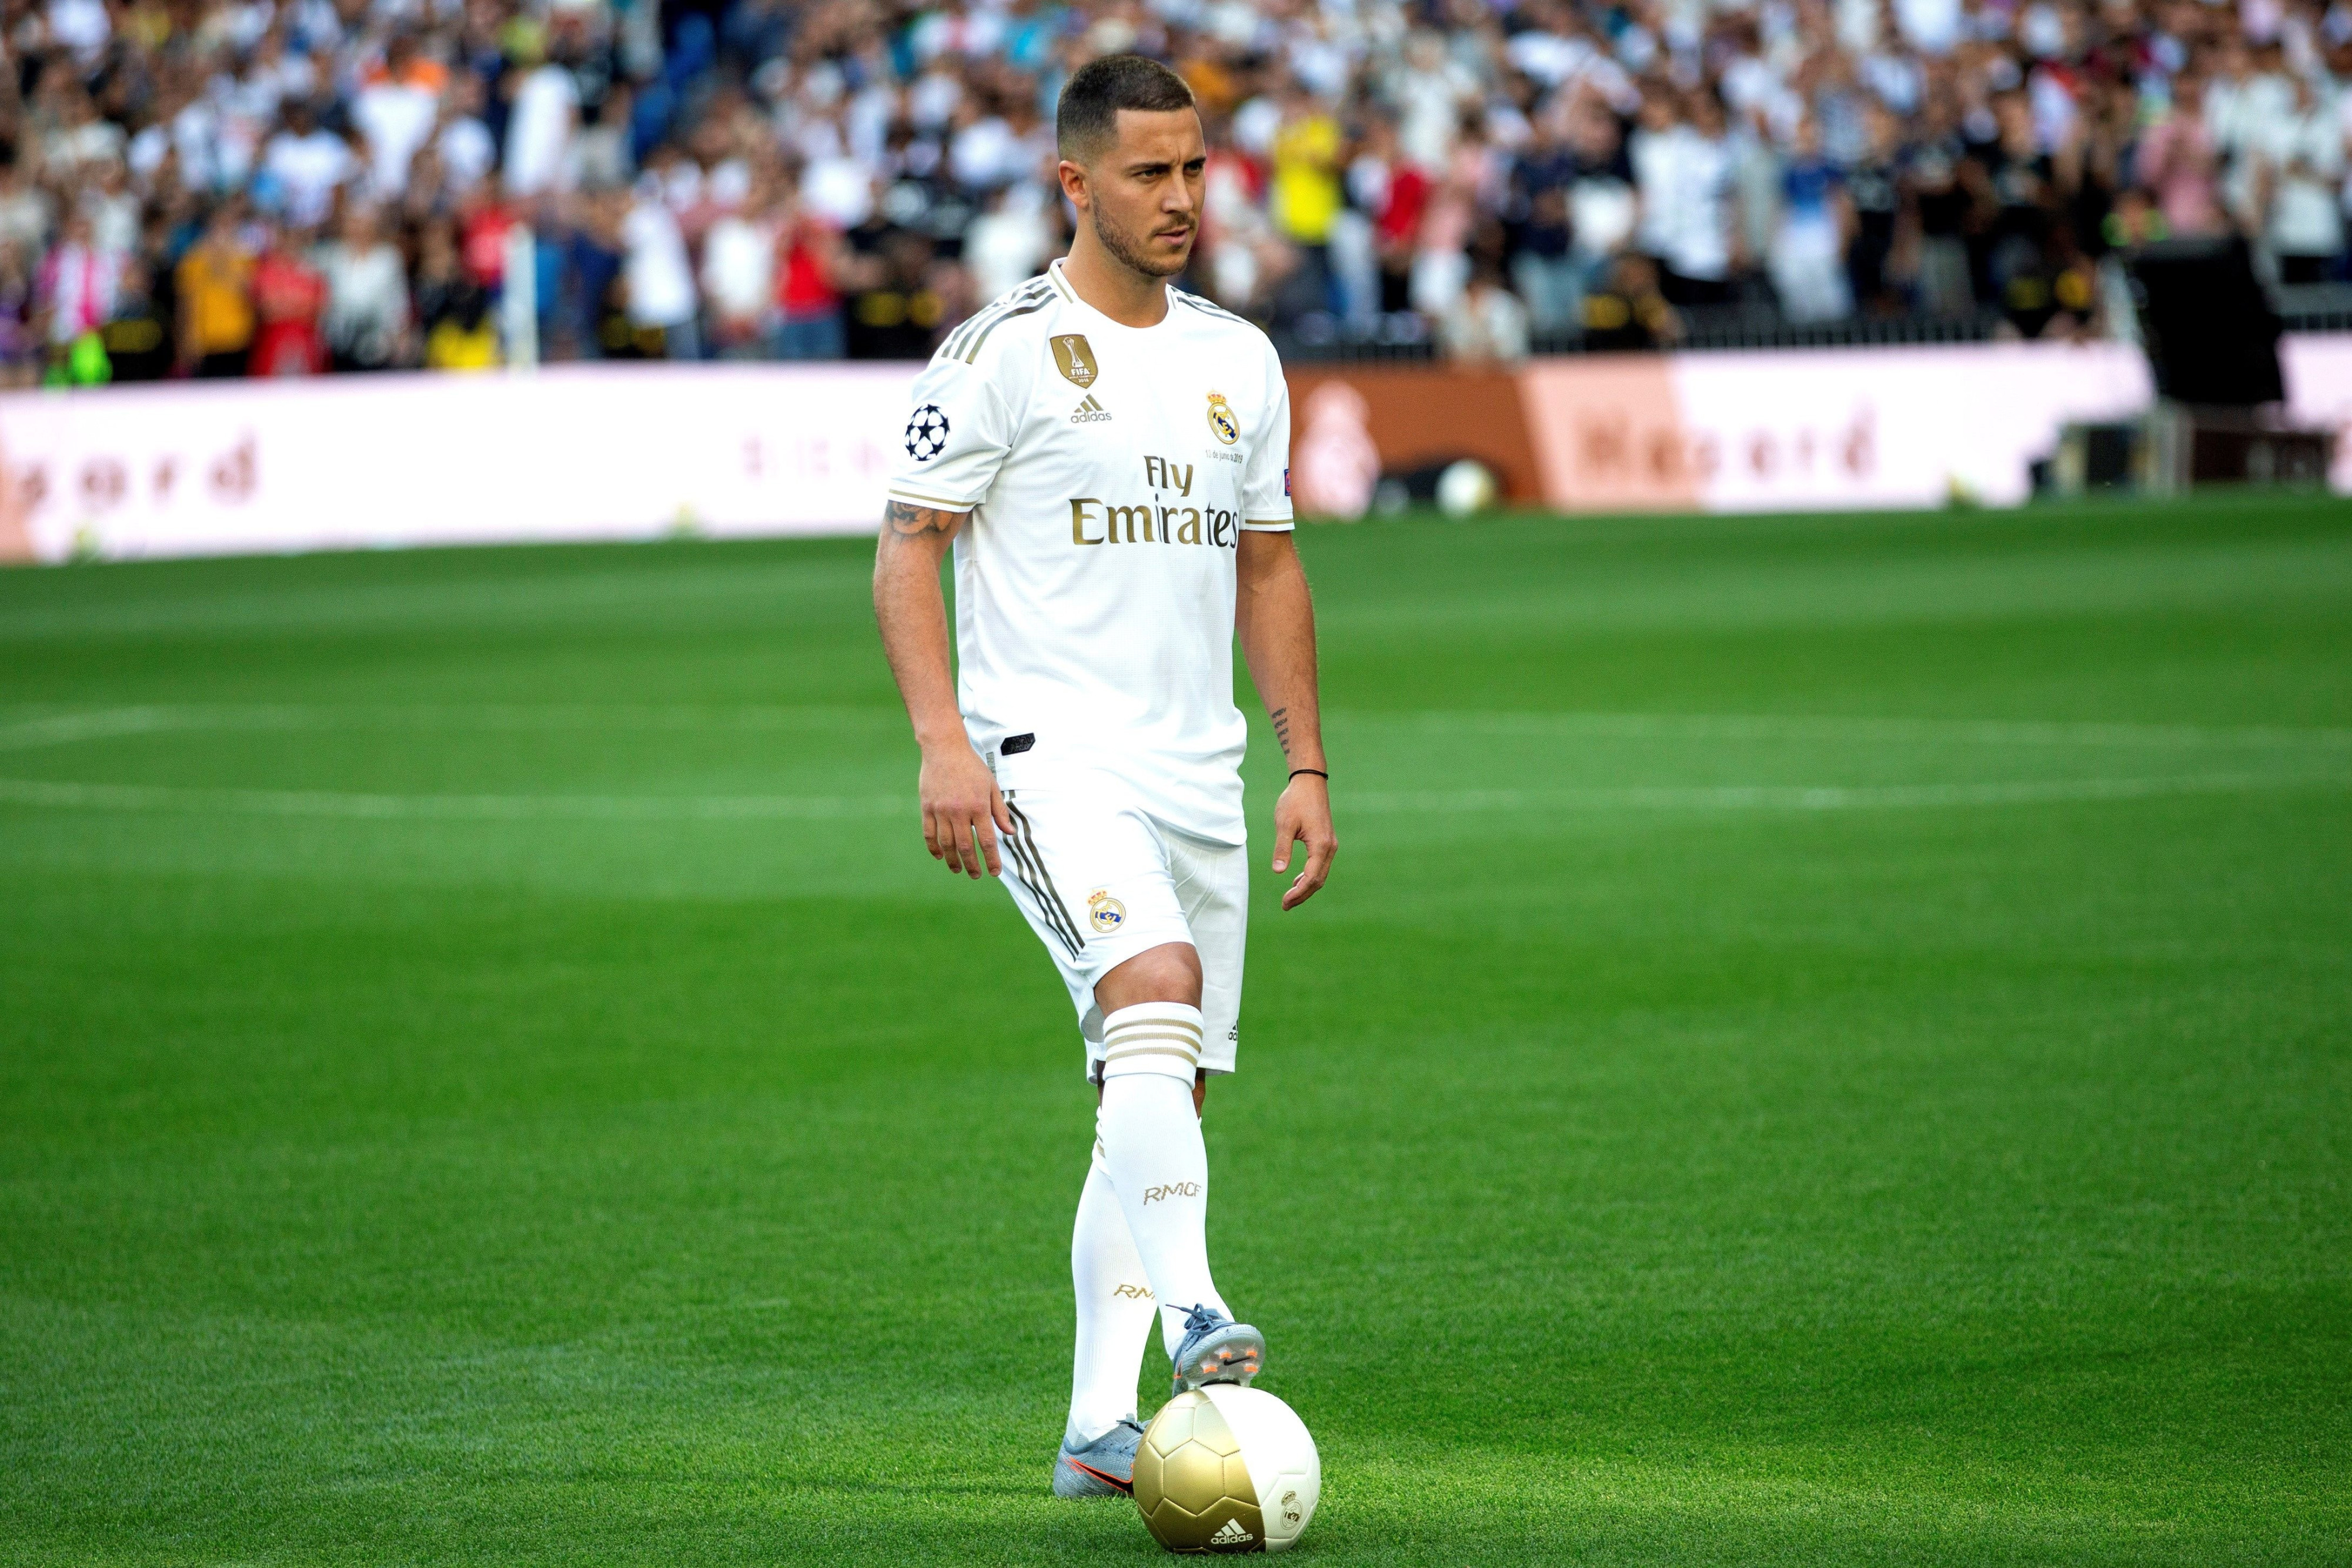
column 1226, row 1469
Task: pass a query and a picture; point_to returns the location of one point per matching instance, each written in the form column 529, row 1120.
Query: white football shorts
column 1101, row 880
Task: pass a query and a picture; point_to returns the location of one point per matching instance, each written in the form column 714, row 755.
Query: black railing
column 2314, row 307
column 1405, row 336
column 1397, row 335
column 1712, row 327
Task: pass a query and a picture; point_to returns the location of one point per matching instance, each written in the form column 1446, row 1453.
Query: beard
column 1132, row 250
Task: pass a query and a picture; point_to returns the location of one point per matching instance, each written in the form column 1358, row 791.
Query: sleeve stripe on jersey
column 992, row 310
column 987, row 314
column 1269, row 522
column 971, row 354
column 950, row 348
column 954, row 345
column 901, row 493
column 1197, row 303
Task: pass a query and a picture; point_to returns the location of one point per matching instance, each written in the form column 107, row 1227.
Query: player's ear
column 1073, row 182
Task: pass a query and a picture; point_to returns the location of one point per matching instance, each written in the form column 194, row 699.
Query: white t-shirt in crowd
column 195, row 134
column 1004, row 248
column 540, row 130
column 739, row 267
column 1110, row 472
column 82, row 26
column 2305, row 153
column 310, row 167
column 839, row 190
column 1931, row 27
column 1685, row 182
column 659, row 276
column 467, row 152
column 367, row 300
column 1601, row 213
column 396, row 122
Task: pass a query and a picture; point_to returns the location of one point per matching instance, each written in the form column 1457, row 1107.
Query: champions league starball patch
column 927, row 432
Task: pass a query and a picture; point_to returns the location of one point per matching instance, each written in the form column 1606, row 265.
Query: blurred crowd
column 275, row 187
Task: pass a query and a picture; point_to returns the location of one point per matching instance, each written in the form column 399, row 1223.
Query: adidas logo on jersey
column 1231, row 1533
column 1090, row 412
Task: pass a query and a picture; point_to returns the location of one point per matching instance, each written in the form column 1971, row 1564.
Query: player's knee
column 1168, row 973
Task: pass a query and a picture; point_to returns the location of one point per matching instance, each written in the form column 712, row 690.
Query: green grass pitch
column 1831, row 1041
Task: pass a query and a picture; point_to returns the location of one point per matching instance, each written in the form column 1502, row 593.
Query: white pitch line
column 1826, row 797
column 64, row 729
column 59, row 729
column 36, row 793
column 443, row 808
column 49, row 728
column 1808, row 727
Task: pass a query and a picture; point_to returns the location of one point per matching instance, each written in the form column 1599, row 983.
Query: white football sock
column 1154, row 1156
column 1115, row 1310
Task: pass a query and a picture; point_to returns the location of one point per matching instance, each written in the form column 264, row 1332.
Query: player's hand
column 1303, row 815
column 961, row 805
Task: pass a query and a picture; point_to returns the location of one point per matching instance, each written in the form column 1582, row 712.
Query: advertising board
column 345, row 463
column 1812, row 429
column 643, row 451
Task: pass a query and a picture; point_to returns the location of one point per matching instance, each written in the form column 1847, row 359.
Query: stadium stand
column 266, row 187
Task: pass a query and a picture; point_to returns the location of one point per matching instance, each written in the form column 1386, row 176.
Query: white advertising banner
column 2317, row 368
column 640, row 450
column 340, row 463
column 1822, row 428
column 1897, row 427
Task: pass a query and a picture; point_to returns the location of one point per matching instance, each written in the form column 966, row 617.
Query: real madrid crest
column 1075, row 358
column 1228, row 429
column 1104, row 912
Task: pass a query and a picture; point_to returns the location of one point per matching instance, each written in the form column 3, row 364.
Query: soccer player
column 1108, row 457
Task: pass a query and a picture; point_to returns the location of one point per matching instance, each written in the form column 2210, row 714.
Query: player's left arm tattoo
column 908, row 522
column 1275, row 616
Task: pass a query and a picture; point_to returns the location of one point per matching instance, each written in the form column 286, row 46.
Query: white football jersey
column 1110, row 472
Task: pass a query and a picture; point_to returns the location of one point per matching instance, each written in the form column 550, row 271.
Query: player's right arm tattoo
column 1281, row 720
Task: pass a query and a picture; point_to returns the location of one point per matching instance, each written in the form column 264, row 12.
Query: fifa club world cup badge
column 1222, row 421
column 1075, row 358
column 1104, row 912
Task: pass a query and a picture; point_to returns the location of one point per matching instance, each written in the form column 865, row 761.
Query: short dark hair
column 1087, row 118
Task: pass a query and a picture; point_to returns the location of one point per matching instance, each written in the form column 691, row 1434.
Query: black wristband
column 1316, row 771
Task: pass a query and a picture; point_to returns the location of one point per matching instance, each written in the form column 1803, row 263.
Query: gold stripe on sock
column 1191, row 1058
column 1185, row 1035
column 1177, row 1024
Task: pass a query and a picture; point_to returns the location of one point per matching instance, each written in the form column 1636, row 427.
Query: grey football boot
column 1215, row 1349
column 1104, row 1468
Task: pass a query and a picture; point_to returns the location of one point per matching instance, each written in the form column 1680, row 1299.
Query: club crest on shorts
column 1075, row 358
column 1104, row 912
column 1221, row 421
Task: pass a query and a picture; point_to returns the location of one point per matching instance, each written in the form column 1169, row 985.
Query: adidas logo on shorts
column 1090, row 412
